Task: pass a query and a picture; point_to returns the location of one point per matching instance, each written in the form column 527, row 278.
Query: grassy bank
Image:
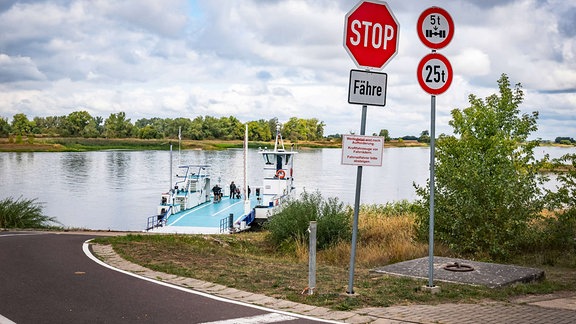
column 250, row 262
column 79, row 144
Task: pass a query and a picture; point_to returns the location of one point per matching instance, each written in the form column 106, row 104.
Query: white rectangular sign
column 367, row 88
column 362, row 150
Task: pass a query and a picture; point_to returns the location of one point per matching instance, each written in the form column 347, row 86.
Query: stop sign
column 371, row 34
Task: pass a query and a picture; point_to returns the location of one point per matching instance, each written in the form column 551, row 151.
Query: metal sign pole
column 432, row 163
column 356, row 210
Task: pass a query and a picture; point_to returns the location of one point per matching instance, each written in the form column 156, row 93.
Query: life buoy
column 281, row 174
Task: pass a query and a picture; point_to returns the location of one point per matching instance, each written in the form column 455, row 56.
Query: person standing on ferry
column 232, row 189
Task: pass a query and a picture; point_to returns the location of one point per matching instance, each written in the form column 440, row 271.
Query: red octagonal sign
column 371, row 34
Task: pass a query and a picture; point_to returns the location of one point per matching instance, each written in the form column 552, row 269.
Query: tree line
column 117, row 125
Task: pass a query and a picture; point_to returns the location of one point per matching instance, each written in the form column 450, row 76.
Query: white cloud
column 472, row 62
column 265, row 59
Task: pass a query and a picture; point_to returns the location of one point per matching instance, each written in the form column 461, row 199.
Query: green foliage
column 117, row 126
column 21, row 125
column 487, row 178
column 5, row 128
column 76, row 122
column 424, row 137
column 386, row 134
column 394, row 208
column 23, row 213
column 291, row 224
column 560, row 232
column 259, row 130
column 52, row 125
column 82, row 124
column 303, row 129
column 564, row 140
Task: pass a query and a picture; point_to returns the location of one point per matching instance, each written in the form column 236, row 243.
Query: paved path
column 80, row 290
column 48, row 278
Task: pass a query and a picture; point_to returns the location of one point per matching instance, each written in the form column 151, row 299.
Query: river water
column 118, row 190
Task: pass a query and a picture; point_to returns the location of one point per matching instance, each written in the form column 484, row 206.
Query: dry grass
column 383, row 239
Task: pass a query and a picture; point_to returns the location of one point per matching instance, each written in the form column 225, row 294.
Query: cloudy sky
column 259, row 59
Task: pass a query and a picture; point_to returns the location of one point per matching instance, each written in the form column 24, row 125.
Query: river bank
column 79, row 144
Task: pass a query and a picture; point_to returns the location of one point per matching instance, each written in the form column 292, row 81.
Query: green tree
column 232, row 128
column 147, row 132
column 486, row 176
column 424, row 137
column 51, row 125
column 211, row 128
column 21, row 125
column 561, row 230
column 303, row 129
column 152, row 128
column 117, row 126
column 4, row 127
column 93, row 129
column 259, row 131
column 384, row 133
column 77, row 121
column 195, row 131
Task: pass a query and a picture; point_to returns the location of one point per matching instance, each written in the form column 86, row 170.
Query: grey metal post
column 432, row 189
column 356, row 211
column 231, row 221
column 312, row 258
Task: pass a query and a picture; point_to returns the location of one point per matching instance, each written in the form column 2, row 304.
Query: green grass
column 23, row 213
column 248, row 261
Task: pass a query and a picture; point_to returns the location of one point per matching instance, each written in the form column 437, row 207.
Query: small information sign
column 362, row 150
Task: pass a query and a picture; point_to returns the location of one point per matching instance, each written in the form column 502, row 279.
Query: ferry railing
column 157, row 220
column 227, row 224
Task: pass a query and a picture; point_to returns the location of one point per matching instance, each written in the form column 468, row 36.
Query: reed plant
column 23, row 213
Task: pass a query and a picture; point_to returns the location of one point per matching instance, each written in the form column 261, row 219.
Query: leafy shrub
column 487, row 178
column 23, row 213
column 560, row 232
column 292, row 222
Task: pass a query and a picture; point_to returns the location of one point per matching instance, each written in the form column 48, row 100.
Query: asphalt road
column 47, row 278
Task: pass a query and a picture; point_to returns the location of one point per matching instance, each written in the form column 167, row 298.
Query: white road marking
column 259, row 319
column 4, row 320
column 88, row 253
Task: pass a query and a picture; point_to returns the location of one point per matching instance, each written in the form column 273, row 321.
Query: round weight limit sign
column 435, row 28
column 434, row 73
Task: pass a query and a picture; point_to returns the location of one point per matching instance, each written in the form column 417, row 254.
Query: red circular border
column 423, row 84
column 423, row 38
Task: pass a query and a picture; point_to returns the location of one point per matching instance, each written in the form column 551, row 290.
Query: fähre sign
column 367, row 88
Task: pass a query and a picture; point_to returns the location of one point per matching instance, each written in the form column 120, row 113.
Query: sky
column 260, row 59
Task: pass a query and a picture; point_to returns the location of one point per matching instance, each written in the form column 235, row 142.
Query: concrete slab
column 485, row 274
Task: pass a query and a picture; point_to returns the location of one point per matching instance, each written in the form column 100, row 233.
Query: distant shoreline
column 79, row 144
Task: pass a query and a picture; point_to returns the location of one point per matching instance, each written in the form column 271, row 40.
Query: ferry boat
column 194, row 206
